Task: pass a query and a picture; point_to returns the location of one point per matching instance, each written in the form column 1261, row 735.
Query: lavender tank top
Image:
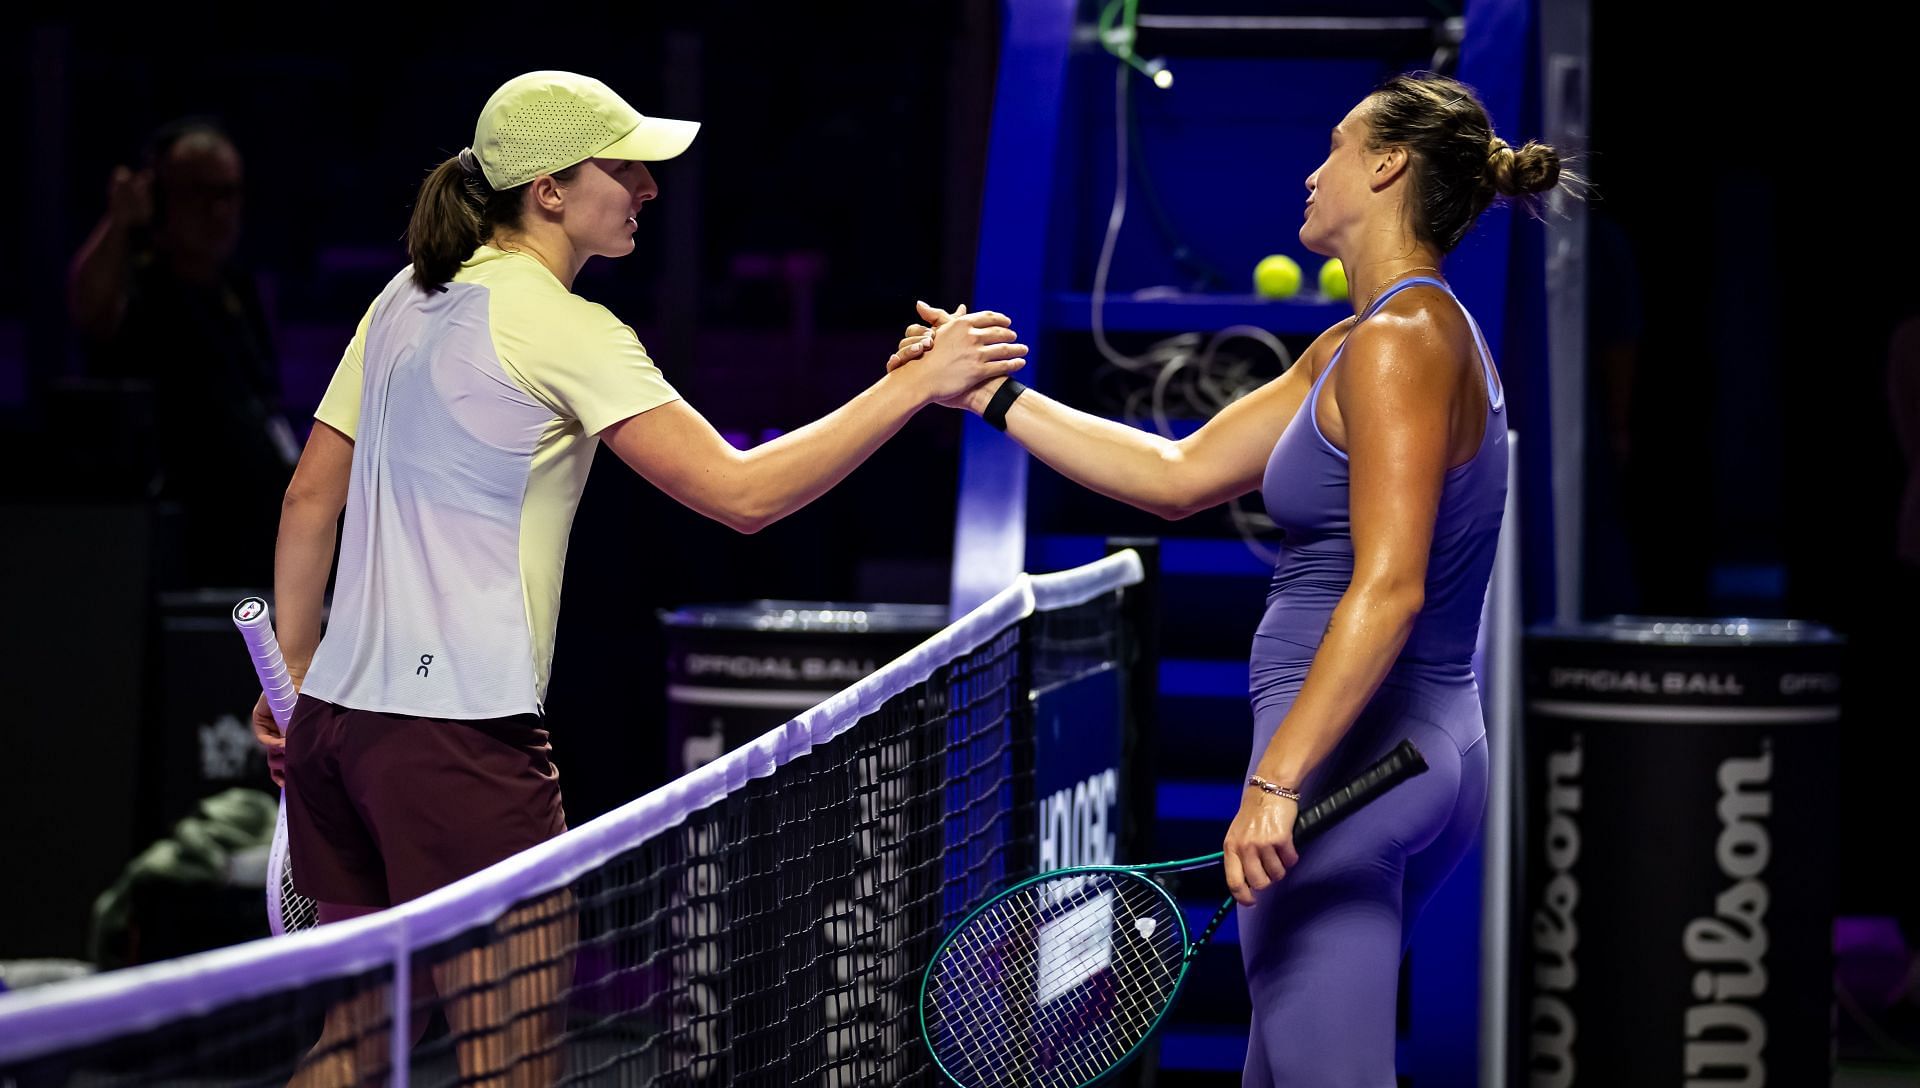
column 1306, row 494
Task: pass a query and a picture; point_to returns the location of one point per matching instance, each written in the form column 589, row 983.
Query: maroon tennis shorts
column 383, row 808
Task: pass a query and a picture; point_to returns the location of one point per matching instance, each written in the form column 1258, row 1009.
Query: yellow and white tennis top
column 474, row 411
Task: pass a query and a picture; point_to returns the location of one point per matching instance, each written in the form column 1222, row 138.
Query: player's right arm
column 1221, row 461
column 679, row 452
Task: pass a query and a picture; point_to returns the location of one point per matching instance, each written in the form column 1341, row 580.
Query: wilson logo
column 1726, row 1035
column 1556, row 934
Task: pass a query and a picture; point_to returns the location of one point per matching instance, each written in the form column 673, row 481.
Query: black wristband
column 996, row 410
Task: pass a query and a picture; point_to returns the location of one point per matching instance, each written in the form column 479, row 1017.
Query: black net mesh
column 775, row 937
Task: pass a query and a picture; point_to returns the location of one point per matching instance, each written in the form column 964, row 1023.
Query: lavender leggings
column 1322, row 948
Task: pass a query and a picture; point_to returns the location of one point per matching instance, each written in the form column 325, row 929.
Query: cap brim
column 653, row 140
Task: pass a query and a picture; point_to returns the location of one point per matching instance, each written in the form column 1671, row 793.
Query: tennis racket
column 1057, row 981
column 287, row 910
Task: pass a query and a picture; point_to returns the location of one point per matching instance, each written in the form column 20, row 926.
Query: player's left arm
column 1396, row 397
column 302, row 556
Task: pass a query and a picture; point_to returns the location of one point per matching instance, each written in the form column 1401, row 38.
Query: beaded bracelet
column 1274, row 788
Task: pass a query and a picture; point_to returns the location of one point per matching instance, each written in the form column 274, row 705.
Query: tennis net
column 761, row 920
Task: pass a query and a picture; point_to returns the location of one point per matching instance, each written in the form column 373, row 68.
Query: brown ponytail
column 447, row 224
column 456, row 212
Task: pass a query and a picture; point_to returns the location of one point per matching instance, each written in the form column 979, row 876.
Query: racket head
column 1055, row 982
column 279, row 876
column 288, row 911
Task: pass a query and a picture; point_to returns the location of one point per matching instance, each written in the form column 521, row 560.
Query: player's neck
column 1373, row 269
column 551, row 248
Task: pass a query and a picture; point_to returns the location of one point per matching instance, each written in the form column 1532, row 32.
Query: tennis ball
column 1333, row 279
column 1276, row 276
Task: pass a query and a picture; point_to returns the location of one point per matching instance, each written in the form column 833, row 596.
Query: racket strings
column 1055, row 983
column 288, row 911
column 297, row 912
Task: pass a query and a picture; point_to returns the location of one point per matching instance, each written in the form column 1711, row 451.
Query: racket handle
column 256, row 627
column 1395, row 767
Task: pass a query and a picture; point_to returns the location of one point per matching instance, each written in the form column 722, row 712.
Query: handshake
column 960, row 356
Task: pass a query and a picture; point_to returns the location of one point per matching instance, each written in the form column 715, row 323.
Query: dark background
column 1753, row 249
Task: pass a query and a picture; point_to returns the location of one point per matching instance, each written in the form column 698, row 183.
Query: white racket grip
column 251, row 616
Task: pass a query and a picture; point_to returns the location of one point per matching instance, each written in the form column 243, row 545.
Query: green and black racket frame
column 1059, row 980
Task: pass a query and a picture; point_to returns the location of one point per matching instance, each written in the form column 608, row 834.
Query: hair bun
column 1512, row 171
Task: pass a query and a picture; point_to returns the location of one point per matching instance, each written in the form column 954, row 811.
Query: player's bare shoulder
column 1423, row 320
column 1324, row 346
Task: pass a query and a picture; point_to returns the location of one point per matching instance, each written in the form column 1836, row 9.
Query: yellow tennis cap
column 546, row 121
